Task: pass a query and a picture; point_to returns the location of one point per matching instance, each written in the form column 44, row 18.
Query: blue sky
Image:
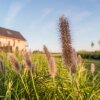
column 38, row 20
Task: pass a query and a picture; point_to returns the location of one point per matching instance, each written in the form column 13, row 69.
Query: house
column 12, row 39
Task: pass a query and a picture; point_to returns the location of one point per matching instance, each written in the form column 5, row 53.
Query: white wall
column 13, row 42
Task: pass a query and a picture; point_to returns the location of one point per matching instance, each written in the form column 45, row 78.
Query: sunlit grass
column 82, row 85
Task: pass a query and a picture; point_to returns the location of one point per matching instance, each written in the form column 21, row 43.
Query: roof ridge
column 9, row 29
column 14, row 34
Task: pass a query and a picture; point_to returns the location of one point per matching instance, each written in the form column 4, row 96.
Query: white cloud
column 78, row 15
column 13, row 12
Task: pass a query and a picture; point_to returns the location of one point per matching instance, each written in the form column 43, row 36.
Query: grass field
column 87, row 62
column 38, row 84
column 96, row 62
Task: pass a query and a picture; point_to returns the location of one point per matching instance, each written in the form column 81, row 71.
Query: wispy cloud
column 13, row 12
column 76, row 15
column 79, row 16
column 46, row 12
column 38, row 21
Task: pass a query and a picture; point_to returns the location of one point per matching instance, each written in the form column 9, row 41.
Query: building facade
column 12, row 39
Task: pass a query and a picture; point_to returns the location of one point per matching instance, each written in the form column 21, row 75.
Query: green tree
column 92, row 44
column 99, row 43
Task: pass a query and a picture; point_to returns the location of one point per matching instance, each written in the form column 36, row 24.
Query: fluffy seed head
column 51, row 63
column 28, row 59
column 92, row 68
column 79, row 60
column 2, row 69
column 52, row 67
column 74, row 56
column 24, row 64
column 65, row 37
column 48, row 55
column 14, row 61
column 27, row 62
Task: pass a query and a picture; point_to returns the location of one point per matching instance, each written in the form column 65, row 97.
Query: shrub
column 90, row 55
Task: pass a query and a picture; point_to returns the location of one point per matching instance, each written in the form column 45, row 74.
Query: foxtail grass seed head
column 28, row 68
column 66, row 43
column 52, row 67
column 14, row 62
column 25, row 97
column 79, row 60
column 74, row 56
column 51, row 63
column 48, row 55
column 24, row 64
column 73, row 68
column 28, row 61
column 2, row 68
column 92, row 68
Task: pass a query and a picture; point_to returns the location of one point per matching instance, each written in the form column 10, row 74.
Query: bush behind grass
column 84, row 54
column 90, row 55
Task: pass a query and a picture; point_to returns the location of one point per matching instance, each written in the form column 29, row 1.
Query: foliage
column 37, row 51
column 89, row 61
column 90, row 55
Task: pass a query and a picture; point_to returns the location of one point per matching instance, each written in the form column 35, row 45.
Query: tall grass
column 67, row 50
column 40, row 76
column 83, row 85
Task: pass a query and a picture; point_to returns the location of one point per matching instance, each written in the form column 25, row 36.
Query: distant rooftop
column 11, row 34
